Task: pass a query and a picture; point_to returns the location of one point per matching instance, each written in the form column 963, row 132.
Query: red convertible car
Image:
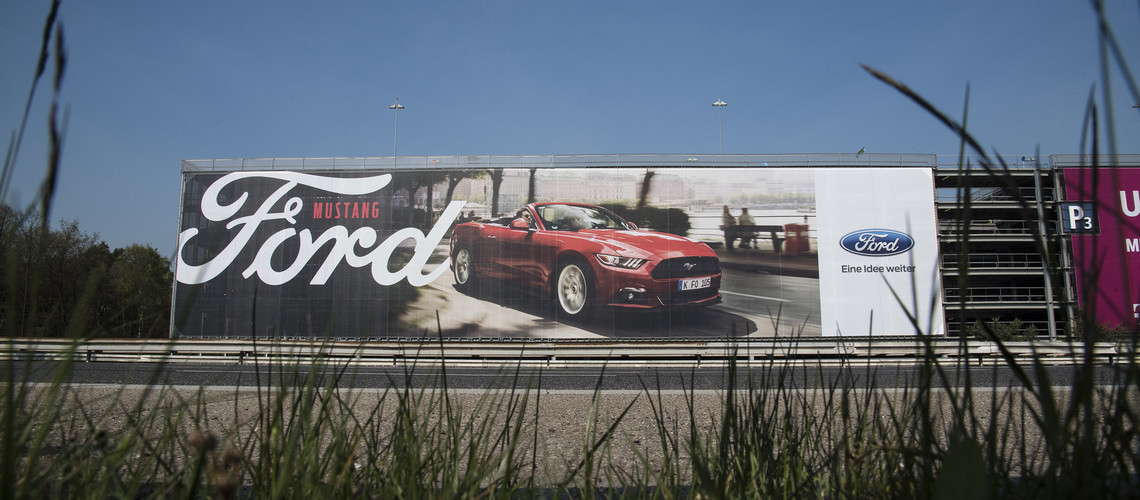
column 586, row 256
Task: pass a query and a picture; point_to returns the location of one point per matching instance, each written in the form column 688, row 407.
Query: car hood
column 646, row 244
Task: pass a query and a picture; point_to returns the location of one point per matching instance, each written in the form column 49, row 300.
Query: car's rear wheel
column 573, row 289
column 463, row 265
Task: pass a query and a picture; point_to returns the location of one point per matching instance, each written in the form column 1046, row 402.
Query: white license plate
column 694, row 284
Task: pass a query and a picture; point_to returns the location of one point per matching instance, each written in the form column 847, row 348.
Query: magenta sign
column 1107, row 264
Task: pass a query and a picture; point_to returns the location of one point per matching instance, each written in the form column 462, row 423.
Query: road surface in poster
column 755, row 303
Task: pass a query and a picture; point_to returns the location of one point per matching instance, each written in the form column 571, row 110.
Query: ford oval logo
column 876, row 242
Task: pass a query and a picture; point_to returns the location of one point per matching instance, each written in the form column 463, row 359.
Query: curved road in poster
column 755, row 304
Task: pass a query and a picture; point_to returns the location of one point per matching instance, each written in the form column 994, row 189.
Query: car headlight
column 619, row 261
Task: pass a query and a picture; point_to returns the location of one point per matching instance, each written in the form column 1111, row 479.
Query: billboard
column 1103, row 215
column 557, row 253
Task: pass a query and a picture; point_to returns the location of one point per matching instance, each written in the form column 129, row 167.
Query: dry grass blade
column 958, row 129
column 18, row 136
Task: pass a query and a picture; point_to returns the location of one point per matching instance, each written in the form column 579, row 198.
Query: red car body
column 587, row 256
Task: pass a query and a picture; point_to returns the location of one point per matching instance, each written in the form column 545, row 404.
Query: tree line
column 59, row 282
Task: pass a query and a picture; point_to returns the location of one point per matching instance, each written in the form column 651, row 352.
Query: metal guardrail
column 980, row 260
column 988, row 228
column 565, row 161
column 1015, row 294
column 540, row 353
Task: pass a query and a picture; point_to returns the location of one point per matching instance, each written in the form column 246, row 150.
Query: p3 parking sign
column 1079, row 218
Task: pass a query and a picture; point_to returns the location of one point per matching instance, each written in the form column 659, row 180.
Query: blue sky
column 149, row 84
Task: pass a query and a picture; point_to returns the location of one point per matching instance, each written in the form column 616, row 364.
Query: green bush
column 1012, row 331
column 1104, row 333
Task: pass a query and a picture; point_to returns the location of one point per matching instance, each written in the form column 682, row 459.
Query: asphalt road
column 776, row 305
column 754, row 304
column 712, row 377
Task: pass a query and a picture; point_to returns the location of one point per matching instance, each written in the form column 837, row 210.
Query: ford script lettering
column 344, row 245
column 876, row 242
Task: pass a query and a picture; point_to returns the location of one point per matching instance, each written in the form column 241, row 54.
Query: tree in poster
column 454, row 177
column 496, row 182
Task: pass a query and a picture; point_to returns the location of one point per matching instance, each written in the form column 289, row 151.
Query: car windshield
column 575, row 217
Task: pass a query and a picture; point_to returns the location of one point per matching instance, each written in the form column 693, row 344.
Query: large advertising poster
column 1104, row 215
column 543, row 253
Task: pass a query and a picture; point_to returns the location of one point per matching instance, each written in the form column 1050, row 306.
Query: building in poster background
column 1103, row 213
column 837, row 245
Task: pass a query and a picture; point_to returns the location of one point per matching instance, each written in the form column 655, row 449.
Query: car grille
column 686, row 267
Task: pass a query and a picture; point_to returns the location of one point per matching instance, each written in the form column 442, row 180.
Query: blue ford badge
column 876, row 242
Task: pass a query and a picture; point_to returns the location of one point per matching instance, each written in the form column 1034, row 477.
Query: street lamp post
column 720, row 120
column 395, row 128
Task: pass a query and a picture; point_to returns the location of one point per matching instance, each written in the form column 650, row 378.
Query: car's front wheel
column 463, row 265
column 573, row 289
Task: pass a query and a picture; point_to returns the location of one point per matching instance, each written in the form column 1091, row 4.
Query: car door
column 527, row 253
column 488, row 249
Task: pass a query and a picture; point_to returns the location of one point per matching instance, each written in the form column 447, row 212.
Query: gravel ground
column 564, row 429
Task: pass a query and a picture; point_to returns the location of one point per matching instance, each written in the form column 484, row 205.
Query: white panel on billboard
column 878, row 252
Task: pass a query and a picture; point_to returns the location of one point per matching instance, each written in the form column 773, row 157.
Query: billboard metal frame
column 819, row 160
column 354, row 166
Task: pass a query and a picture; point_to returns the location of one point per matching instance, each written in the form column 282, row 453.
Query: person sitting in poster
column 747, row 239
column 726, row 222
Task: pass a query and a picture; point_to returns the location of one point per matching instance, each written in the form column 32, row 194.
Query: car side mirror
column 632, row 226
column 520, row 223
